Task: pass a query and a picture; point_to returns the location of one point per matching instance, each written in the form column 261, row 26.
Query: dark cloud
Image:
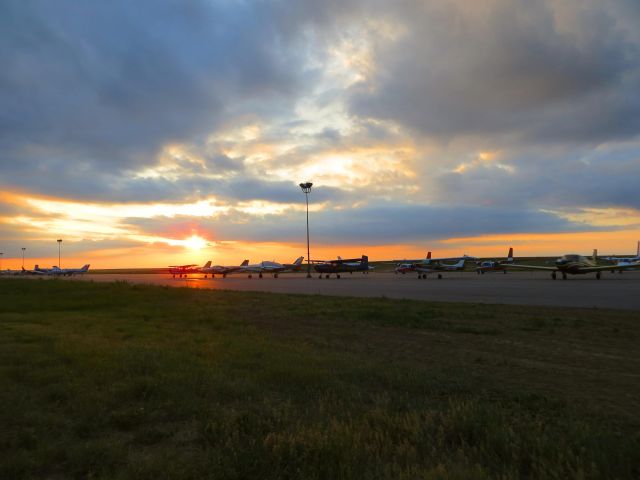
column 566, row 177
column 508, row 67
column 106, row 83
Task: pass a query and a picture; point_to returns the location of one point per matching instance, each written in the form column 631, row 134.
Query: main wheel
column 439, row 276
column 598, row 275
column 337, row 275
column 250, row 276
column 259, row 275
column 553, row 275
column 564, row 276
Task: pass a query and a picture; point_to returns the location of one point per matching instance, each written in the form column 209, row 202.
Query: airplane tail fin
column 339, row 257
column 510, row 256
column 365, row 261
column 86, row 267
column 298, row 261
column 638, row 249
column 207, row 265
column 595, row 254
column 428, row 255
column 245, row 263
column 460, row 263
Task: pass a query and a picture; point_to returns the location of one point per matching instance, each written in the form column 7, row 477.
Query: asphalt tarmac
column 614, row 290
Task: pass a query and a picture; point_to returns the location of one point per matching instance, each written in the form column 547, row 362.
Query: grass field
column 117, row 381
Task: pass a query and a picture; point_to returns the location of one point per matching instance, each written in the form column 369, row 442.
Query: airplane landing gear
column 259, row 275
column 564, row 276
column 504, row 271
column 598, row 275
column 337, row 275
column 275, row 275
column 327, row 276
column 250, row 276
column 553, row 275
column 439, row 276
column 224, row 275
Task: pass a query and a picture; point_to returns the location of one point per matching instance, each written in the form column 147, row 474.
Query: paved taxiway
column 515, row 288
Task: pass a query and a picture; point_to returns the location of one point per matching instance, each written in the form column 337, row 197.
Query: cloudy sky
column 158, row 131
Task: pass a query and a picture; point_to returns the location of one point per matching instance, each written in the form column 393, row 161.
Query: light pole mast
column 59, row 243
column 23, row 249
column 1, row 254
column 306, row 188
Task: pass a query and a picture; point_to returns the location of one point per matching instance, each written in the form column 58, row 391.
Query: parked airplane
column 409, row 266
column 222, row 270
column 626, row 262
column 184, row 270
column 495, row 266
column 350, row 265
column 433, row 265
column 56, row 271
column 438, row 267
column 573, row 264
column 273, row 268
column 69, row 272
column 40, row 271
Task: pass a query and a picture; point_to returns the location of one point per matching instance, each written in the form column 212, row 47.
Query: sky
column 157, row 132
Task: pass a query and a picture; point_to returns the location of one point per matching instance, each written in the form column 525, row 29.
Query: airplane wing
column 532, row 267
column 602, row 268
column 182, row 266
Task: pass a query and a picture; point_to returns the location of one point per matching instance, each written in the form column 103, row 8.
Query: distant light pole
column 23, row 249
column 59, row 242
column 1, row 254
column 306, row 188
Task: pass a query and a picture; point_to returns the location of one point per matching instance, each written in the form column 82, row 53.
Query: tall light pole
column 306, row 188
column 59, row 242
column 1, row 254
column 23, row 249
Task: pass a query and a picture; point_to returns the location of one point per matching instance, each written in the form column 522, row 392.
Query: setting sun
column 194, row 242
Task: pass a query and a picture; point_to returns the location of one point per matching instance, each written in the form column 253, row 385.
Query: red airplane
column 184, row 270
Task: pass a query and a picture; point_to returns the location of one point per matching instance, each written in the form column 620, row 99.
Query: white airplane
column 40, row 271
column 69, row 272
column 433, row 265
column 625, row 261
column 222, row 270
column 573, row 264
column 56, row 271
column 273, row 268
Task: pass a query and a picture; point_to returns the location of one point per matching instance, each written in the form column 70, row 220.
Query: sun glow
column 194, row 242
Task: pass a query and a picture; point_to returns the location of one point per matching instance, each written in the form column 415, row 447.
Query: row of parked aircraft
column 323, row 267
column 569, row 264
column 53, row 271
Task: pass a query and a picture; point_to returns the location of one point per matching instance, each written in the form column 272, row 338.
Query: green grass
column 128, row 381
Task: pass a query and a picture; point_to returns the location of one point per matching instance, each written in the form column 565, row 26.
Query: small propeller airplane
column 626, row 262
column 495, row 265
column 574, row 264
column 56, row 271
column 274, row 268
column 184, row 270
column 433, row 265
column 341, row 265
column 222, row 269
